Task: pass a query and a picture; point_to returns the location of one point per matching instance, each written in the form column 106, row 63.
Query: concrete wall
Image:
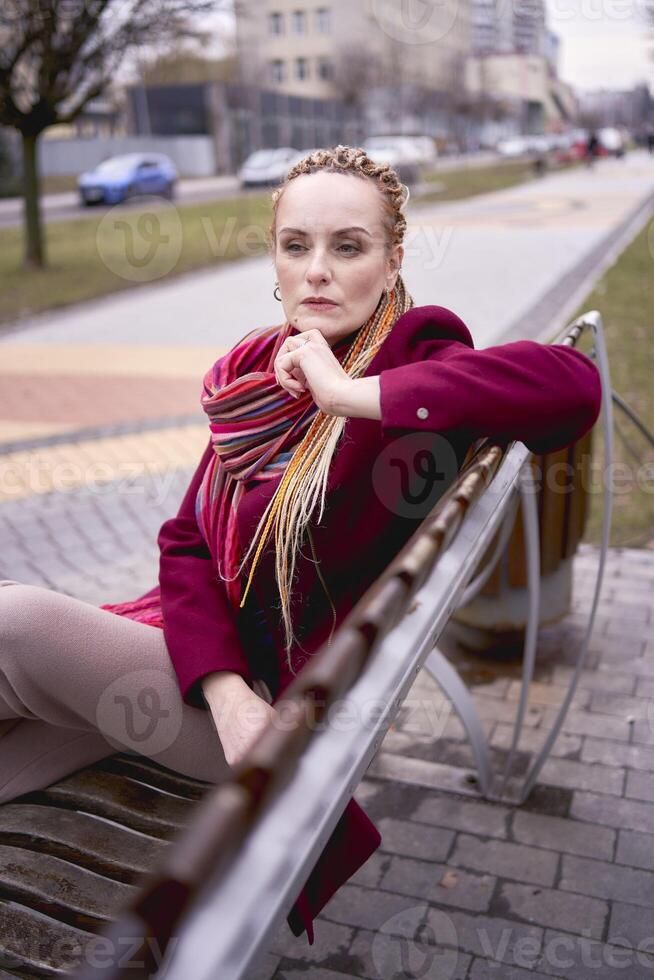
column 194, row 156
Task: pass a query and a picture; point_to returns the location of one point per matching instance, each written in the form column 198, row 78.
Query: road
column 65, row 205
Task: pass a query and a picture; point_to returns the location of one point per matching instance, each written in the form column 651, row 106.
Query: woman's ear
column 395, row 264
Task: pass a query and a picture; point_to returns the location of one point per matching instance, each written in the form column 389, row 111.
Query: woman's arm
column 199, row 622
column 546, row 396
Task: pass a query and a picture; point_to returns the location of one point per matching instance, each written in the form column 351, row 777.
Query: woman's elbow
column 574, row 409
column 588, row 394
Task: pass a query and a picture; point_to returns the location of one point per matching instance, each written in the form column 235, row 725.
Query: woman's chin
column 315, row 320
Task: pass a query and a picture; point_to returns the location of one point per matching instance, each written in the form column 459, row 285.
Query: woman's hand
column 306, row 362
column 239, row 715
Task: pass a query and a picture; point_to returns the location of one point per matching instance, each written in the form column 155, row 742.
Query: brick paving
column 562, row 886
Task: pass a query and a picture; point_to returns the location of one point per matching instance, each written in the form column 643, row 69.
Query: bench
column 250, row 842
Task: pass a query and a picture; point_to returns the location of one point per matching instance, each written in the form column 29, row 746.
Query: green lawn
column 469, row 181
column 88, row 259
column 625, row 298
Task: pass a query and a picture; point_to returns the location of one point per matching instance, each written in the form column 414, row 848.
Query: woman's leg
column 78, row 683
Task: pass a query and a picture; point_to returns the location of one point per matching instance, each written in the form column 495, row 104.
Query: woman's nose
column 318, row 268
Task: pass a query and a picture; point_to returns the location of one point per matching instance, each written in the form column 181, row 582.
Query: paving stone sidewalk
column 562, row 886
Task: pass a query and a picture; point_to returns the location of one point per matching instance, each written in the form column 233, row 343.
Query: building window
column 325, row 69
column 277, row 70
column 301, row 69
column 276, row 23
column 299, row 22
column 322, row 20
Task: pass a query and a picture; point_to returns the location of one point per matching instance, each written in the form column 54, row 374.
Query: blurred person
column 592, row 148
column 283, row 526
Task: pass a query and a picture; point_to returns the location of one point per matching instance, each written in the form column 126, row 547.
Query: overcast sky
column 604, row 43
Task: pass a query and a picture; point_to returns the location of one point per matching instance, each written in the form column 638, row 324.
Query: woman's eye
column 350, row 249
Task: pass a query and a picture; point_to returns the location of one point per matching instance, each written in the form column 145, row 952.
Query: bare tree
column 355, row 71
column 57, row 55
column 187, row 68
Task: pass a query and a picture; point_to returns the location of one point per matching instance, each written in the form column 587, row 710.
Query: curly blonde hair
column 304, row 480
column 353, row 161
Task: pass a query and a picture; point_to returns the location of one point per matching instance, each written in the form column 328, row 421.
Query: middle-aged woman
column 291, row 514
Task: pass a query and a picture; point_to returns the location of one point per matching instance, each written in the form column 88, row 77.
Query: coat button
column 422, row 413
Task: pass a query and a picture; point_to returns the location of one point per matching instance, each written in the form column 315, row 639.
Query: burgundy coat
column 432, row 380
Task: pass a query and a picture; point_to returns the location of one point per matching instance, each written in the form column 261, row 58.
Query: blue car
column 119, row 178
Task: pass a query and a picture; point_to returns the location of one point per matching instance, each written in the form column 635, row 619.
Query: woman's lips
column 319, row 306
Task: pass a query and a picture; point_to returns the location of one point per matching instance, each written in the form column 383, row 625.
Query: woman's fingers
column 289, row 373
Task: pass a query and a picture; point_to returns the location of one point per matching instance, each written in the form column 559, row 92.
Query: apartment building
column 305, row 47
column 509, row 26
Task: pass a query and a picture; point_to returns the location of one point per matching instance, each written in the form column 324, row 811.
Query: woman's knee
column 22, row 608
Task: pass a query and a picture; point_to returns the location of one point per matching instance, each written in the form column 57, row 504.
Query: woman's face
column 330, row 243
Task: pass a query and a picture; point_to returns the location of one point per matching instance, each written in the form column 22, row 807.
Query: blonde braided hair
column 304, row 480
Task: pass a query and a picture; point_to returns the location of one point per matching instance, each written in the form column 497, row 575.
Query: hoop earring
column 275, row 292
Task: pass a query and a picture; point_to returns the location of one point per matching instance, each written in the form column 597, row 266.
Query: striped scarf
column 255, row 427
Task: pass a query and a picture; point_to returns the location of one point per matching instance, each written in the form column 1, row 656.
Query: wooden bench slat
column 147, row 771
column 119, row 798
column 82, row 838
column 37, row 946
column 581, row 460
column 59, row 888
column 556, row 490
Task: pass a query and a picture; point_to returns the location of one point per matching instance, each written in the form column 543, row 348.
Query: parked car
column 612, row 141
column 400, row 152
column 426, row 149
column 264, row 168
column 514, row 146
column 121, row 177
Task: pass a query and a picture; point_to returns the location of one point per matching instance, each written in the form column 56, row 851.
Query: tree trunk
column 34, row 245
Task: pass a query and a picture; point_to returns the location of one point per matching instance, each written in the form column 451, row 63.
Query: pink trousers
column 78, row 683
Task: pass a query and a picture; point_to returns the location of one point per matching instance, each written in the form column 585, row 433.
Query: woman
column 291, row 513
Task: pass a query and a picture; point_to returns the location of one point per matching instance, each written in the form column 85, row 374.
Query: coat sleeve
column 545, row 395
column 200, row 626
